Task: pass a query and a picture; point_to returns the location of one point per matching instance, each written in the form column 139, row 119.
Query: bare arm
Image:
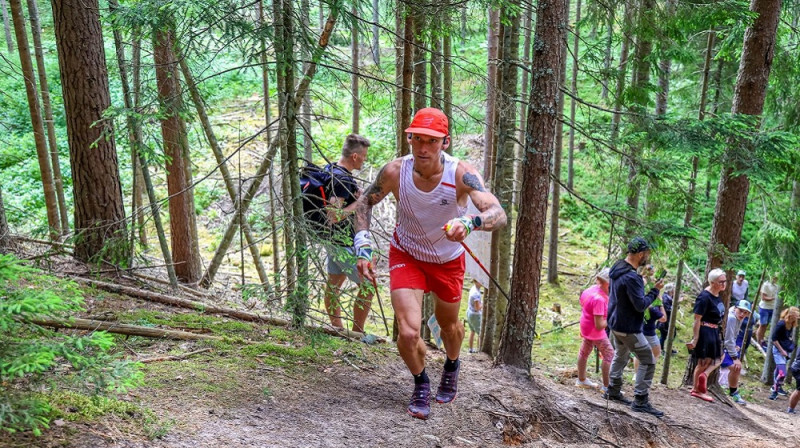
column 695, row 330
column 492, row 215
column 600, row 322
column 385, row 182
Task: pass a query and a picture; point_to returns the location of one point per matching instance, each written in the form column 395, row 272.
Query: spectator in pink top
column 594, row 302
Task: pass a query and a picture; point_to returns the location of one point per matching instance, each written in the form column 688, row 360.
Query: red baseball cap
column 429, row 121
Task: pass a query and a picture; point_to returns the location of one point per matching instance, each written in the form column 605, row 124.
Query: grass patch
column 214, row 324
column 76, row 407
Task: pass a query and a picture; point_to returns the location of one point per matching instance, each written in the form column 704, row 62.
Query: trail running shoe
column 448, row 386
column 782, row 392
column 773, row 395
column 617, row 397
column 646, row 407
column 586, row 384
column 791, row 411
column 737, row 398
column 420, row 405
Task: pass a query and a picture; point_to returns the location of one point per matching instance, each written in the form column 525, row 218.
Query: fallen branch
column 211, row 309
column 113, row 327
column 174, row 357
column 561, row 327
column 203, row 307
column 47, row 243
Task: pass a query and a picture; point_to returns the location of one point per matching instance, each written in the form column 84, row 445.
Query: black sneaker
column 420, row 405
column 642, row 404
column 448, row 386
column 618, row 398
column 782, row 392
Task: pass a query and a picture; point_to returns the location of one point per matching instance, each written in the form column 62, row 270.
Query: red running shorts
column 445, row 280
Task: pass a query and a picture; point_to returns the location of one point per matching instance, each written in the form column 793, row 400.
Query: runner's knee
column 408, row 336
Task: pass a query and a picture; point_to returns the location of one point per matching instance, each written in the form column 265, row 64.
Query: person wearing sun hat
column 732, row 353
column 431, row 188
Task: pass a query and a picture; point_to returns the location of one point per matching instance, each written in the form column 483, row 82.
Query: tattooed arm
column 387, row 180
column 492, row 216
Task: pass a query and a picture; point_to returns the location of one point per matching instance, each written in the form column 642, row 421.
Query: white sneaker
column 586, row 384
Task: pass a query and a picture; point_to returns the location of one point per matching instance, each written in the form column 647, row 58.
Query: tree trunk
column 131, row 125
column 266, row 163
column 436, row 72
column 408, row 74
column 489, row 324
column 622, row 68
column 503, row 185
column 687, row 221
column 748, row 98
column 665, row 67
column 7, row 27
column 298, row 296
column 607, row 57
column 354, row 76
column 273, row 227
column 376, row 41
column 447, row 74
column 181, row 209
column 555, row 206
column 549, row 50
column 137, row 103
column 574, row 90
column 3, row 225
column 135, row 137
column 97, row 190
column 641, row 80
column 252, row 243
column 491, row 95
column 42, row 155
column 36, row 32
column 399, row 91
column 305, row 105
column 279, row 43
column 420, row 66
column 767, row 376
column 523, row 104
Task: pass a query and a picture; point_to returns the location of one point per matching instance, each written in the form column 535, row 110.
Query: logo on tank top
column 444, row 202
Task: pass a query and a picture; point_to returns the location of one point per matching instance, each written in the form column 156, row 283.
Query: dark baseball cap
column 638, row 244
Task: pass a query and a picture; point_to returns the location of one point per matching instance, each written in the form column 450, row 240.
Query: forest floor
column 271, row 387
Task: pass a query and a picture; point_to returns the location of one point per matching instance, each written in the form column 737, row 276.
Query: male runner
column 431, row 188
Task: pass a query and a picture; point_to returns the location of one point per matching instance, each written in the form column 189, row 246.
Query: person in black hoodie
column 627, row 303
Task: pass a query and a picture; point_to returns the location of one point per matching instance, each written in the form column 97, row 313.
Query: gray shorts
column 653, row 340
column 474, row 322
column 342, row 261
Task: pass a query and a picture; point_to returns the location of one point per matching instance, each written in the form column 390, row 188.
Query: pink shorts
column 445, row 280
column 603, row 346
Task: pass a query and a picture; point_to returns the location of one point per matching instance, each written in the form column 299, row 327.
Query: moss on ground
column 77, row 407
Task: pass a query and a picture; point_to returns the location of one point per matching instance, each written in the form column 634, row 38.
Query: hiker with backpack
column 426, row 254
column 329, row 195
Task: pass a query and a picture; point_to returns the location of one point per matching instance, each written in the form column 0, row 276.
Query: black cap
column 638, row 244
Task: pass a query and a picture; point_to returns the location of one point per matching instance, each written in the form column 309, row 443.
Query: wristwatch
column 476, row 222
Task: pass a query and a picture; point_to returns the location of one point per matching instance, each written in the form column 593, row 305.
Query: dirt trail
column 341, row 406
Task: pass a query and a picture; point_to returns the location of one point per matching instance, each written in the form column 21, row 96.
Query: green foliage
column 33, row 356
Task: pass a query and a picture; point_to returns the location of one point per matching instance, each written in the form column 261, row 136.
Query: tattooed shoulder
column 375, row 192
column 473, row 181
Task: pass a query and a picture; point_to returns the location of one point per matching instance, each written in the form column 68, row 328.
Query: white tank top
column 422, row 215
